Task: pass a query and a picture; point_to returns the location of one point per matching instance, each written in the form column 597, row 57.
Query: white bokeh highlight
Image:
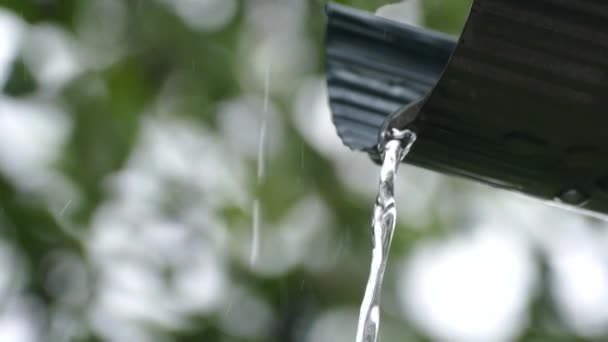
column 32, row 137
column 406, row 11
column 204, row 15
column 337, row 325
column 12, row 30
column 469, row 288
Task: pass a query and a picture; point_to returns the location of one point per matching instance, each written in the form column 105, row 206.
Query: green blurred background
column 169, row 172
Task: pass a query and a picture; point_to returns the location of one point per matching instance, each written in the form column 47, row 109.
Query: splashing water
column 383, row 226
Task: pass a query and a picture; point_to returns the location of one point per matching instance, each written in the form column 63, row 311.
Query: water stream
column 261, row 170
column 383, row 226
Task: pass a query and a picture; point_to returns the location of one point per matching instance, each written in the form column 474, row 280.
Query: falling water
column 257, row 218
column 383, row 226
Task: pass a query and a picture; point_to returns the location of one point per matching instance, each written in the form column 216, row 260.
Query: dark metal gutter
column 519, row 102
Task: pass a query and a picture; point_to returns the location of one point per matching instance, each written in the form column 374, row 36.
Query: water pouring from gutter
column 384, row 219
column 479, row 109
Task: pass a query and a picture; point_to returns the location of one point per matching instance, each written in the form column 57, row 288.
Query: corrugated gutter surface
column 374, row 67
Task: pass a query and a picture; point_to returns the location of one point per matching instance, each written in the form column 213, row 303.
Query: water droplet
column 255, row 233
column 574, row 197
column 65, row 207
column 255, row 240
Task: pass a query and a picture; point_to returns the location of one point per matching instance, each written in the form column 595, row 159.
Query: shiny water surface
column 383, row 226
